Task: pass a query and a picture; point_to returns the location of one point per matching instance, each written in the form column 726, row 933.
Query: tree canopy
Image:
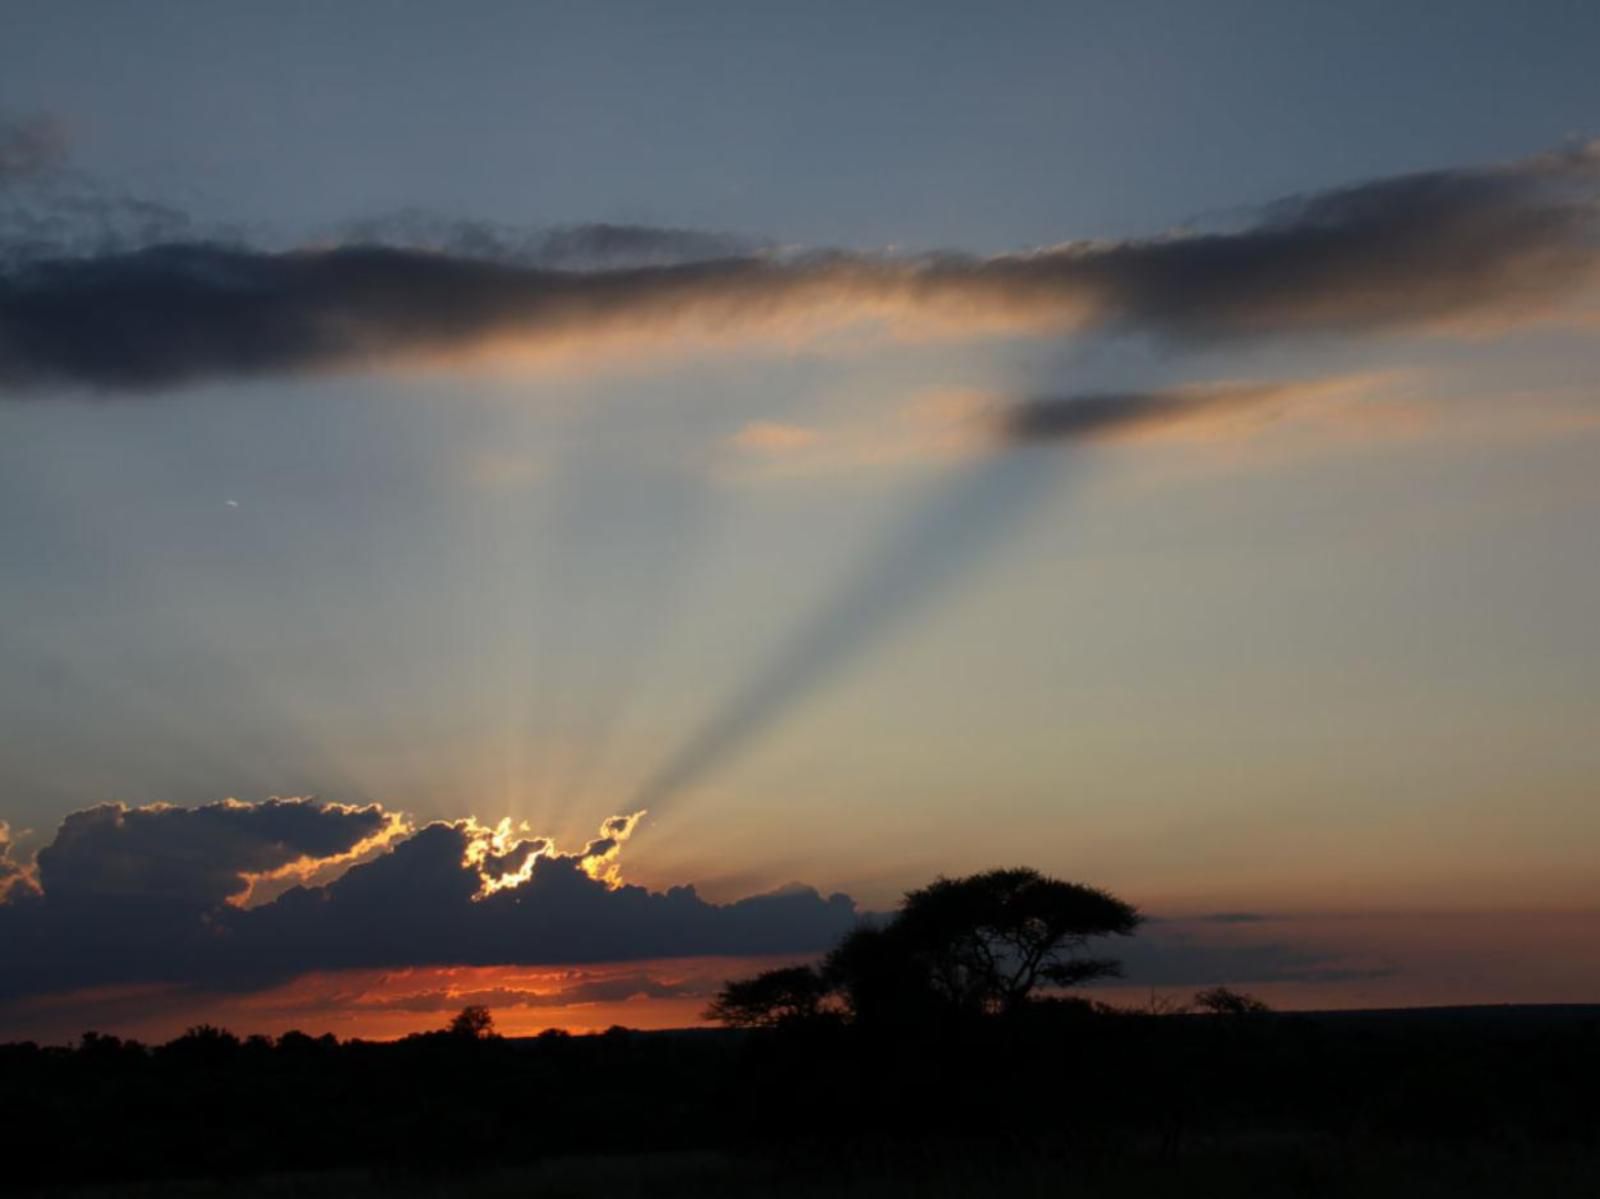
column 771, row 998
column 981, row 945
column 472, row 1023
column 988, row 941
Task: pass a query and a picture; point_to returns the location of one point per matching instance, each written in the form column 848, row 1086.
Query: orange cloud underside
column 1445, row 958
column 388, row 1004
column 385, row 1004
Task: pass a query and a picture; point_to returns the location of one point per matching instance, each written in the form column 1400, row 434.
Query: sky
column 1154, row 443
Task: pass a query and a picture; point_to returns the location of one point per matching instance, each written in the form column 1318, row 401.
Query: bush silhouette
column 1224, row 1001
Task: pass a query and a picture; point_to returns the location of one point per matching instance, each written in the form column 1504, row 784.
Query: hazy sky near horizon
column 1328, row 650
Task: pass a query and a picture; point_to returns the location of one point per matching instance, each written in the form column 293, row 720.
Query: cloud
column 1245, row 424
column 30, row 146
column 618, row 989
column 589, row 247
column 771, row 437
column 385, row 1003
column 609, row 247
column 1200, row 411
column 1227, row 949
column 1245, row 427
column 199, row 857
column 1443, row 247
column 1123, row 416
column 14, row 874
column 142, row 895
column 50, row 211
column 419, row 905
column 1455, row 248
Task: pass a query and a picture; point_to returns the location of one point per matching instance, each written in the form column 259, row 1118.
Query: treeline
column 947, row 1026
column 1054, row 1076
column 212, row 1104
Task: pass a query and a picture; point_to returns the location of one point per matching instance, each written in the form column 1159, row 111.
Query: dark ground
column 1057, row 1100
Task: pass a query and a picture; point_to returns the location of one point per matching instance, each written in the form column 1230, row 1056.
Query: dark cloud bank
column 141, row 895
column 134, row 896
column 1492, row 244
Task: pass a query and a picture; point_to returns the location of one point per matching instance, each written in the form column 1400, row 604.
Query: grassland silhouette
column 941, row 1051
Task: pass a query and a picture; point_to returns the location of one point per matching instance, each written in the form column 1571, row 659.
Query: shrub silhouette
column 1224, row 1001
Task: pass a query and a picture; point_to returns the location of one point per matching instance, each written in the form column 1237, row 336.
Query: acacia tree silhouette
column 988, row 941
column 979, row 945
column 771, row 998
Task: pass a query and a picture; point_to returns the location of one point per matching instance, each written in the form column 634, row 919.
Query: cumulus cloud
column 142, row 895
column 14, row 874
column 1468, row 246
column 133, row 911
column 422, row 904
column 199, row 857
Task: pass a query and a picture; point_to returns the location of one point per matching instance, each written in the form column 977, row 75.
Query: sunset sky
column 792, row 452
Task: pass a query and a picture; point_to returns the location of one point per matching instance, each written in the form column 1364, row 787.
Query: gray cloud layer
column 593, row 247
column 196, row 857
column 1496, row 244
column 138, row 896
column 1112, row 415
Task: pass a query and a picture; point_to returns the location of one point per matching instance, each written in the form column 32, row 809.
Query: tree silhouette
column 771, row 998
column 979, row 945
column 988, row 941
column 878, row 980
column 472, row 1023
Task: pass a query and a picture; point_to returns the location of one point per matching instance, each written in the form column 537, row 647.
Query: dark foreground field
column 1211, row 1171
column 1059, row 1100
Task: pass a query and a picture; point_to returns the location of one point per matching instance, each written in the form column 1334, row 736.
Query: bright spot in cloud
column 769, row 437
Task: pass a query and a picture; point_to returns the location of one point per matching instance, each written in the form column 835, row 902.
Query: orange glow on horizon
column 1420, row 959
column 385, row 1005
